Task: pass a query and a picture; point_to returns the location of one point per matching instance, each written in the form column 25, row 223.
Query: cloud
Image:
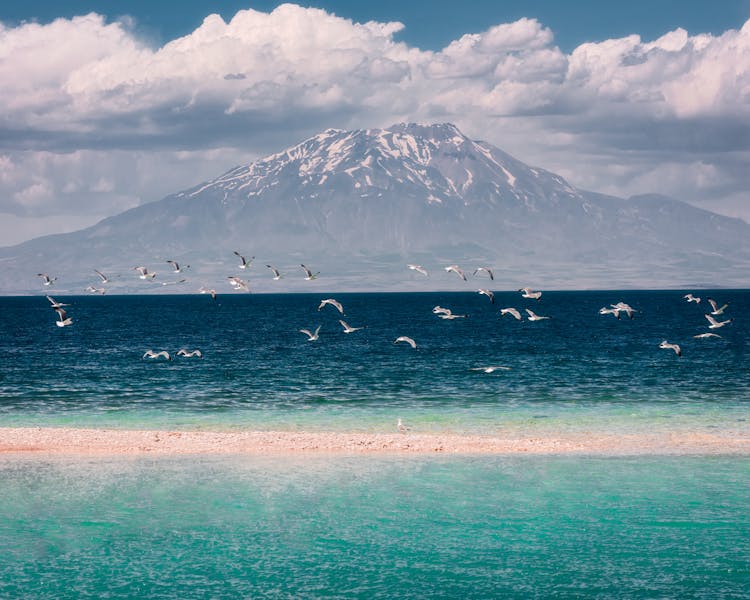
column 85, row 101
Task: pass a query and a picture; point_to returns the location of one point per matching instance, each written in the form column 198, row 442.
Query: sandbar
column 110, row 442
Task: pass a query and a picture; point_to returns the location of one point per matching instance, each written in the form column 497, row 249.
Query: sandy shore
column 104, row 442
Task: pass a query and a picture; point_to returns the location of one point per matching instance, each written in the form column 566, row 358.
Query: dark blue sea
column 376, row 527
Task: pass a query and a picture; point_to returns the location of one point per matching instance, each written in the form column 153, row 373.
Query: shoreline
column 66, row 441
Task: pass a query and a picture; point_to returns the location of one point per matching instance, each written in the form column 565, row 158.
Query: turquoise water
column 375, row 528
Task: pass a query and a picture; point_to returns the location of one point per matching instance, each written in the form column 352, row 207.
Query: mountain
column 359, row 205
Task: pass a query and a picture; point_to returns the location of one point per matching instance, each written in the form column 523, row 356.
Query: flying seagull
column 439, row 310
column 47, row 280
column 55, row 304
column 332, row 302
column 174, row 282
column 309, row 275
column 491, row 369
column 691, row 298
column 419, row 269
column 238, row 284
column 511, row 311
column 102, row 276
column 144, row 274
column 610, row 311
column 348, row 328
column 408, row 340
column 311, row 337
column 151, row 354
column 189, row 354
column 529, row 293
column 667, row 346
column 449, row 316
column 457, row 270
column 176, row 266
column 487, row 293
column 486, row 270
column 276, row 274
column 92, row 289
column 534, row 317
column 205, row 290
column 708, row 334
column 63, row 319
column 716, row 310
column 624, row 307
column 714, row 324
column 244, row 264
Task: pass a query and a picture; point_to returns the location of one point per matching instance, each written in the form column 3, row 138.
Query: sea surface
column 376, row 527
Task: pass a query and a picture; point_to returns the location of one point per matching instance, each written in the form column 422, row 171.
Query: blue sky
column 429, row 24
column 110, row 104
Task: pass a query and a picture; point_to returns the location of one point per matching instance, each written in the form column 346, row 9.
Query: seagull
column 401, row 427
column 511, row 311
column 439, row 310
column 667, row 346
column 529, row 293
column 491, row 369
column 152, row 354
column 205, row 290
column 55, row 304
column 624, row 307
column 95, row 290
column 716, row 310
column 309, row 275
column 311, row 337
column 703, row 336
column 457, row 270
column 348, row 328
column 610, row 311
column 691, row 298
column 534, row 317
column 408, row 340
column 174, row 282
column 102, row 276
column 449, row 316
column 276, row 274
column 47, row 280
column 487, row 293
column 332, row 302
column 714, row 324
column 486, row 270
column 144, row 274
column 63, row 319
column 244, row 264
column 176, row 266
column 419, row 269
column 189, row 354
column 238, row 284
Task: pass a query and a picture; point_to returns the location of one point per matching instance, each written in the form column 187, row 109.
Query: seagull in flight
column 703, row 336
column 716, row 310
column 487, row 293
column 55, row 304
column 407, row 339
column 491, row 369
column 151, row 354
column 311, row 337
column 419, row 269
column 174, row 282
column 624, row 307
column 348, row 328
column 244, row 263
column 309, row 275
column 238, row 284
column 691, row 298
column 533, row 316
column 401, row 427
column 92, row 289
column 714, row 324
column 205, row 290
column 449, row 316
column 102, row 276
column 439, row 310
column 276, row 274
column 335, row 303
column 144, row 274
column 457, row 270
column 511, row 311
column 176, row 266
column 486, row 270
column 63, row 319
column 667, row 346
column 529, row 293
column 610, row 311
column 189, row 354
column 47, row 280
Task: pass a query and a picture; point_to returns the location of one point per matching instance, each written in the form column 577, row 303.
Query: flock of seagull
column 240, row 284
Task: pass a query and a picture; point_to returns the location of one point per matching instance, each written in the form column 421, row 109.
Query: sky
column 107, row 105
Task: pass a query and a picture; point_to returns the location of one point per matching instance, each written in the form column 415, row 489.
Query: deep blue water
column 576, row 368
